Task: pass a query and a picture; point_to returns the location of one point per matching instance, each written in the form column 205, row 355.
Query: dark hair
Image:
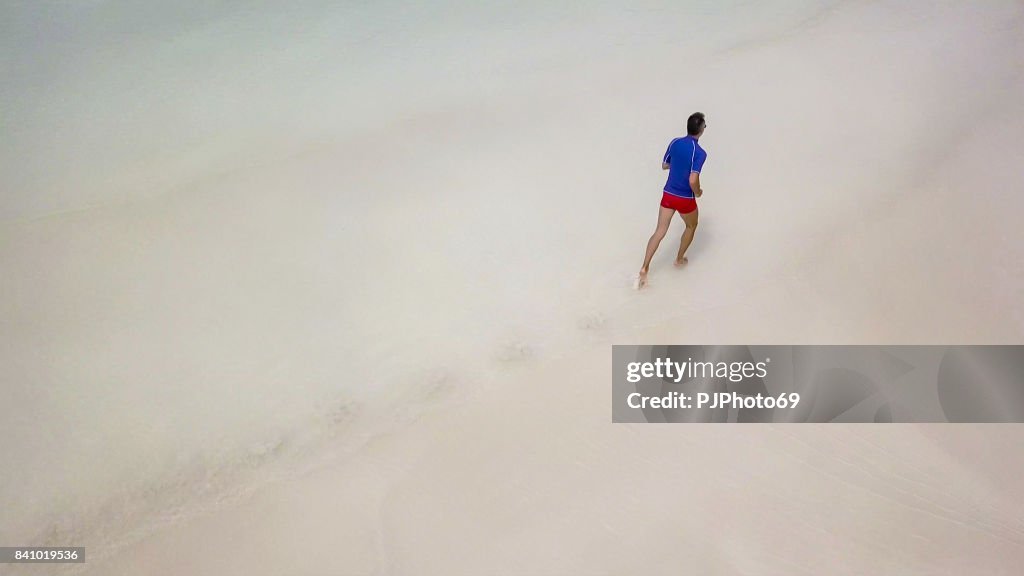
column 695, row 123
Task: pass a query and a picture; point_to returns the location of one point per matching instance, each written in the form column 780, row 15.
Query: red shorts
column 682, row 205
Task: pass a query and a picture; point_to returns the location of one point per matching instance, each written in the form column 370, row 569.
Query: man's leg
column 691, row 228
column 664, row 219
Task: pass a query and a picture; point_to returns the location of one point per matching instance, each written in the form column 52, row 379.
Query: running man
column 683, row 160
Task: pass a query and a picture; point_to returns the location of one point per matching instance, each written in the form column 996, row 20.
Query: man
column 683, row 160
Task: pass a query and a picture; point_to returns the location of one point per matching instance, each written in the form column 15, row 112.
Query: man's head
column 695, row 124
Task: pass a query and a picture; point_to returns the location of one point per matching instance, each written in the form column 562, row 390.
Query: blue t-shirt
column 684, row 155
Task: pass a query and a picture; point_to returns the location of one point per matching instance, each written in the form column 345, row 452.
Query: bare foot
column 641, row 279
column 680, row 261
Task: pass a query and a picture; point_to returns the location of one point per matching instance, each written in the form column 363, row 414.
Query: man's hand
column 698, row 192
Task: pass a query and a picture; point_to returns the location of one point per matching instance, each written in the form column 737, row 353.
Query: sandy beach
column 332, row 289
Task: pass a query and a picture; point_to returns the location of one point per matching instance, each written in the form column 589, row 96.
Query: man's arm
column 696, row 164
column 668, row 155
column 695, row 184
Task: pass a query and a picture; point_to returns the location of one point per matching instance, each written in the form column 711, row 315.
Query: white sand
column 332, row 290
